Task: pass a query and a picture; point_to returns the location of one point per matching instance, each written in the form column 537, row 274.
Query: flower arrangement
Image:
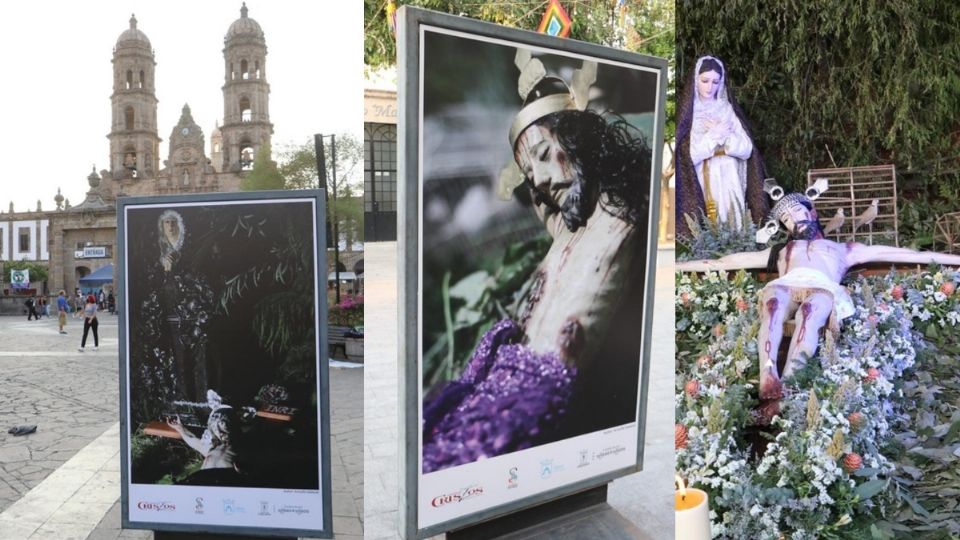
column 849, row 455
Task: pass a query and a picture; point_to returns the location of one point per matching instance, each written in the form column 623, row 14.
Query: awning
column 100, row 276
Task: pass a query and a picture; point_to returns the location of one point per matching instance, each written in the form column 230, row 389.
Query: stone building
column 69, row 238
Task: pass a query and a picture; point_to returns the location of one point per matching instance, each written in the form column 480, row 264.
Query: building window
column 246, row 113
column 129, row 79
column 24, row 240
column 128, row 118
column 380, row 168
column 142, row 80
column 244, row 72
column 247, row 154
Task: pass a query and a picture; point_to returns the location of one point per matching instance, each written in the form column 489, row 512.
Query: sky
column 58, row 77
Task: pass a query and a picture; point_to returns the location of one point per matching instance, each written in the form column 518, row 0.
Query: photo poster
column 536, row 201
column 224, row 388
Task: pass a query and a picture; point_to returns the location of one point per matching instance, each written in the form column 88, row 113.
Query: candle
column 692, row 513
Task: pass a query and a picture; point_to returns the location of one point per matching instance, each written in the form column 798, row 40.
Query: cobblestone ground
column 44, row 380
column 73, row 399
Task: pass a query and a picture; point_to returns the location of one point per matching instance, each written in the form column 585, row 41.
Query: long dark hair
column 612, row 158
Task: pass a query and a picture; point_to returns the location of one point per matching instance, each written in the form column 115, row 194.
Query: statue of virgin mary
column 719, row 171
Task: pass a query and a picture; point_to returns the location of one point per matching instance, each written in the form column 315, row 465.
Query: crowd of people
column 79, row 305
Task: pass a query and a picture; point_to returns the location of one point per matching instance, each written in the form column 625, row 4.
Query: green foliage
column 473, row 303
column 709, row 240
column 264, row 174
column 298, row 165
column 283, row 319
column 646, row 27
column 876, row 82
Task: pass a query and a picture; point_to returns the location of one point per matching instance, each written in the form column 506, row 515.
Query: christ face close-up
column 547, row 168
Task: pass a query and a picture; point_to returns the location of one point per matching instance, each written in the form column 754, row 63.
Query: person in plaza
column 101, row 300
column 78, row 302
column 719, row 170
column 62, row 310
column 90, row 322
column 534, row 377
column 111, row 303
column 808, row 288
column 31, row 306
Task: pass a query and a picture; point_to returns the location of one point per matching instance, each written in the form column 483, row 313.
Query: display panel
column 528, row 185
column 223, row 364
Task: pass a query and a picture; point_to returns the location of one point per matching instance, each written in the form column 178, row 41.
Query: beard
column 806, row 230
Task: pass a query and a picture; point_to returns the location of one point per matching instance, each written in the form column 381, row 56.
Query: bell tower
column 246, row 113
column 134, row 143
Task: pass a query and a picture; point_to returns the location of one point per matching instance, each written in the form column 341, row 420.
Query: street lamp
column 322, row 174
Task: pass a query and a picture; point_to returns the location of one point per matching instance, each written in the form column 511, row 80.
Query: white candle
column 692, row 514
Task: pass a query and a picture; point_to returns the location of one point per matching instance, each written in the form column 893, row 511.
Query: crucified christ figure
column 810, row 269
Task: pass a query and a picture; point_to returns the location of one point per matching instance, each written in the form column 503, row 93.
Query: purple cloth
column 507, row 399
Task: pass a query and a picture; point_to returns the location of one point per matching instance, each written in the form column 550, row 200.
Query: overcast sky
column 58, row 76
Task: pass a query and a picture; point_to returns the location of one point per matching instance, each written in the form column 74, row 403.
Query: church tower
column 246, row 114
column 134, row 143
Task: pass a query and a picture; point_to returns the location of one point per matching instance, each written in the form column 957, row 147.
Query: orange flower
column 856, row 419
column 680, row 436
column 872, row 375
column 897, row 292
column 693, row 388
column 852, row 462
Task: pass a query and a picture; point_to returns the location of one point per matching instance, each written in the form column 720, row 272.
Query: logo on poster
column 514, row 479
column 264, row 508
column 292, row 509
column 468, row 492
column 163, row 506
column 230, row 506
column 198, row 509
column 548, row 467
column 611, row 451
column 584, row 458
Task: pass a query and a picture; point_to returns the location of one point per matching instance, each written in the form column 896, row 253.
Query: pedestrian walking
column 90, row 322
column 62, row 310
column 78, row 304
column 111, row 303
column 31, row 309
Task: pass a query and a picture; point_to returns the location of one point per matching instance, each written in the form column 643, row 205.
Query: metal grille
column 853, row 189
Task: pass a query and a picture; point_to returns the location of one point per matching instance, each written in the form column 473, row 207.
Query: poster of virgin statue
column 224, row 391
column 531, row 249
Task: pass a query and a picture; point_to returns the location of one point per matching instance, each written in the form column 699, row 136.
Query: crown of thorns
column 783, row 201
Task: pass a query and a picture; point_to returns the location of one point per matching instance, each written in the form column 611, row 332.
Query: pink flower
column 741, row 304
column 948, row 288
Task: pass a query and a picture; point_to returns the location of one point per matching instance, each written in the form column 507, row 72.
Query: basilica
column 74, row 241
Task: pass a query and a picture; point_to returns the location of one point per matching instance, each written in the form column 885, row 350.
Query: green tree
column 298, row 165
column 643, row 26
column 264, row 175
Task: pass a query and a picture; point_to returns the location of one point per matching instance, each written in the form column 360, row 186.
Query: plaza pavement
column 63, row 482
column 644, row 498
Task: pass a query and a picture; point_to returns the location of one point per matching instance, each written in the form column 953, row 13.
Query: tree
column 299, row 167
column 264, row 174
column 643, row 26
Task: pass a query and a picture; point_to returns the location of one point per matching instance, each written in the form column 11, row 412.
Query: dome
column 244, row 27
column 133, row 37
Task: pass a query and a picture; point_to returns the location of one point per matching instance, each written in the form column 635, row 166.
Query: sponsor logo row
column 229, row 507
column 548, row 469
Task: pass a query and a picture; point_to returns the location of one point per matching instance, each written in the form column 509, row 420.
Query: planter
column 355, row 349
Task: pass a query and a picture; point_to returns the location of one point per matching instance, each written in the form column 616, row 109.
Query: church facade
column 68, row 238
